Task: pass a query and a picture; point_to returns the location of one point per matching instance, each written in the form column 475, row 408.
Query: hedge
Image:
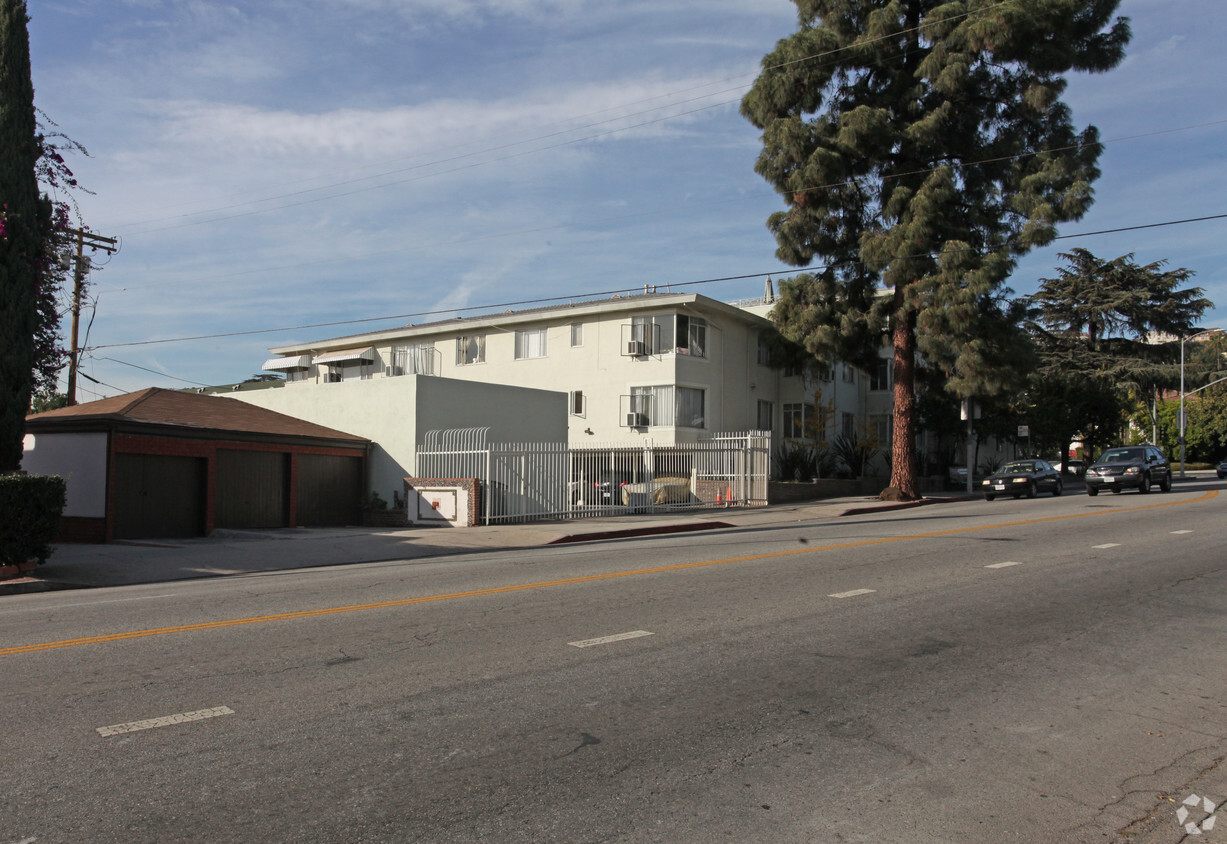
column 30, row 508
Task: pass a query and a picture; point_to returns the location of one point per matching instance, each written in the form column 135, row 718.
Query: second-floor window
column 530, row 343
column 470, row 348
column 577, row 334
column 880, row 379
column 417, row 359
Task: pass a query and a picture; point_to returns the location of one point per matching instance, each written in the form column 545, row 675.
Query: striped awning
column 366, row 355
column 293, row 362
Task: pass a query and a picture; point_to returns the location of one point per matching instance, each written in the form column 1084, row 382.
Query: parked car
column 1077, row 468
column 604, row 489
column 1129, row 467
column 1023, row 477
column 1221, row 471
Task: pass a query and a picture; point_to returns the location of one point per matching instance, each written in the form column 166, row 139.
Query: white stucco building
column 670, row 367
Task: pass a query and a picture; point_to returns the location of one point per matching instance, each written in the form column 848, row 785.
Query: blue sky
column 292, row 162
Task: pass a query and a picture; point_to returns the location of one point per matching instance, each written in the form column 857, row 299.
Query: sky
column 292, row 170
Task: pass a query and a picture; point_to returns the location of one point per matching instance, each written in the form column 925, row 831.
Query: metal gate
column 527, row 481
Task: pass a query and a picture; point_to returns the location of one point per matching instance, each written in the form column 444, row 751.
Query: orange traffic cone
column 719, row 499
column 728, row 496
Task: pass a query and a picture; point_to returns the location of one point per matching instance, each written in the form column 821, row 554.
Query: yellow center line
column 566, row 581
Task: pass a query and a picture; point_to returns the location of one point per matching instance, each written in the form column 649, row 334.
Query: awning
column 295, row 362
column 366, row 355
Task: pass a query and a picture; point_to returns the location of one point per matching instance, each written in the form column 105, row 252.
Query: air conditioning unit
column 393, row 371
column 636, row 420
column 332, row 378
column 636, row 348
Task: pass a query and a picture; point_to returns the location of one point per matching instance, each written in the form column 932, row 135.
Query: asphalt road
column 1035, row 671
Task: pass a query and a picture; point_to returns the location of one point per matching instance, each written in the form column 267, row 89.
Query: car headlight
column 1132, row 470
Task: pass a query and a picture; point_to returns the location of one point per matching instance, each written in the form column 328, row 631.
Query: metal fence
column 527, row 481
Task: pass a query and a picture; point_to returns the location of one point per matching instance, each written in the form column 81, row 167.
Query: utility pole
column 80, row 268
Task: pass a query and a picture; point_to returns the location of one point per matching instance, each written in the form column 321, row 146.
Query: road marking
column 1178, row 532
column 569, row 581
column 605, row 640
column 853, row 593
column 1004, row 565
column 1106, row 545
column 164, row 721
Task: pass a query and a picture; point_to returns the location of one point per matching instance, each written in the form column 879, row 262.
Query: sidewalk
column 230, row 552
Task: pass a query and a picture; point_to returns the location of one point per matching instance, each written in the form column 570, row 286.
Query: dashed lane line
column 164, row 721
column 605, row 640
column 1004, row 565
column 853, row 594
column 568, row 581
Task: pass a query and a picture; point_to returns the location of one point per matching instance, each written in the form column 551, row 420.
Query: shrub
column 30, row 508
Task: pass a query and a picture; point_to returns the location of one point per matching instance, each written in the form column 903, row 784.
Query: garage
column 166, row 464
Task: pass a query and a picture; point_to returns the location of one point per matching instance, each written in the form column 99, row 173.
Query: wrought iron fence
column 527, row 481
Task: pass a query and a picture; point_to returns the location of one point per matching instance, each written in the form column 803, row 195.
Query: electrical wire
column 586, row 296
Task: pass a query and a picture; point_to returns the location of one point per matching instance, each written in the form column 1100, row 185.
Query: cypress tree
column 921, row 147
column 21, row 229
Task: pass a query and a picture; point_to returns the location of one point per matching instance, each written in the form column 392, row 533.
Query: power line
column 585, row 296
column 641, row 214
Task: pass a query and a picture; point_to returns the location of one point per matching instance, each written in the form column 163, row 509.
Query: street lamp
column 1182, row 393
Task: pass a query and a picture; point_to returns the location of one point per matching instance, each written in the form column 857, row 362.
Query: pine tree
column 22, row 223
column 921, row 147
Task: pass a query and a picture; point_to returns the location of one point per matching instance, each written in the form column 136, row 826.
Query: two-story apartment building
column 669, row 367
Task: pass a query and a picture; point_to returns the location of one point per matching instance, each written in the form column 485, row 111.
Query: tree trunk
column 903, row 439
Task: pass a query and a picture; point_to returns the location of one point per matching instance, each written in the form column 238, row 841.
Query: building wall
column 81, row 460
column 395, row 413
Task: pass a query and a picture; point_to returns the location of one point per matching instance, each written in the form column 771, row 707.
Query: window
column 849, row 374
column 880, row 425
column 691, row 336
column 470, row 348
column 530, row 343
column 849, row 426
column 766, row 412
column 764, row 351
column 417, row 359
column 682, row 407
column 795, row 418
column 880, row 377
column 578, row 405
column 296, row 374
column 577, row 334
column 655, row 332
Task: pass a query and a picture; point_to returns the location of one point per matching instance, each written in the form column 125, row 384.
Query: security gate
column 527, row 481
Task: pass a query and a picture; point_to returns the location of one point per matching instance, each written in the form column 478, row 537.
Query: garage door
column 157, row 496
column 329, row 490
column 251, row 489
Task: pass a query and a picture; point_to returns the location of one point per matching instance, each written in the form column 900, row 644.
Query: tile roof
column 174, row 408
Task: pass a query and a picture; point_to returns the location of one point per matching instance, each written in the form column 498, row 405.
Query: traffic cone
column 728, row 496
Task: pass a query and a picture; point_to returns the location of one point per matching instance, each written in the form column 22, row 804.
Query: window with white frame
column 682, row 407
column 530, row 343
column 880, row 377
column 848, row 427
column 880, row 425
column 691, row 336
column 470, row 348
column 795, row 418
column 849, row 374
column 579, row 403
column 577, row 334
column 764, row 350
column 765, row 416
column 655, row 332
column 415, row 359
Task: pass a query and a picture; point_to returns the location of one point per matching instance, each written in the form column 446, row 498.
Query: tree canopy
column 24, row 219
column 920, row 147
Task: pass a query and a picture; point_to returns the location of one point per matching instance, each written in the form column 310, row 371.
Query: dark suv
column 1129, row 467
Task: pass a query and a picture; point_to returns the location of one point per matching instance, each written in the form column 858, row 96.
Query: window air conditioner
column 393, row 371
column 636, row 348
column 636, row 420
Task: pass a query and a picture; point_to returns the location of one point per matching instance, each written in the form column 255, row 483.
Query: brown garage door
column 329, row 490
column 157, row 496
column 251, row 489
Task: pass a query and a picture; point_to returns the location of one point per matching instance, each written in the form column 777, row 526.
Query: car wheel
column 1058, row 489
column 1166, row 483
column 1090, row 490
column 1144, row 486
column 1031, row 490
column 989, row 497
column 1221, row 476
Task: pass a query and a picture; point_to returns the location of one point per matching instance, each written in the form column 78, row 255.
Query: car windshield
column 1121, row 455
column 1018, row 467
